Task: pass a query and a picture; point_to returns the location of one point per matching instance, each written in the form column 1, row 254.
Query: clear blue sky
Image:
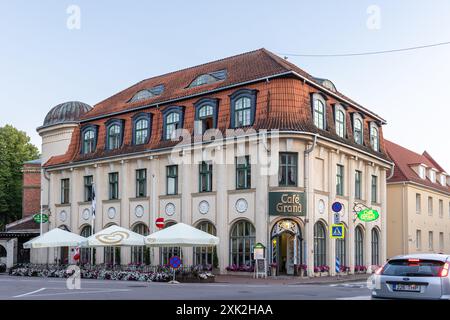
column 43, row 63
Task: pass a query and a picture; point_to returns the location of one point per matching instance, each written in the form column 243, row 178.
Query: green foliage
column 15, row 149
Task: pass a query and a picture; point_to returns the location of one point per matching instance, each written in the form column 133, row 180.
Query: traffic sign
column 336, row 207
column 160, row 223
column 337, row 218
column 175, row 262
column 338, row 265
column 337, row 231
column 38, row 217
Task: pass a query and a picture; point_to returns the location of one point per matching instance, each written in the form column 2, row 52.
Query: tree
column 15, row 149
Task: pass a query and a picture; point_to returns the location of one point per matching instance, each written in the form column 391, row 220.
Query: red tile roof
column 404, row 159
column 282, row 103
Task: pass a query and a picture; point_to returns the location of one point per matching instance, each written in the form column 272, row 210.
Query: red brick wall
column 31, row 201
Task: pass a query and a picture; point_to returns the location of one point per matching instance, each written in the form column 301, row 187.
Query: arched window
column 173, row 120
column 86, row 254
column 375, row 247
column 243, row 106
column 341, row 251
column 374, row 138
column 358, row 131
column 114, row 134
column 206, row 256
column 208, row 78
column 320, row 247
column 88, row 141
column 168, row 252
column 319, row 114
column 340, row 123
column 241, row 243
column 359, row 246
column 141, row 128
column 205, row 118
column 140, row 254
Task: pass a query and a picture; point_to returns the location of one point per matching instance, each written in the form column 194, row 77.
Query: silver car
column 416, row 276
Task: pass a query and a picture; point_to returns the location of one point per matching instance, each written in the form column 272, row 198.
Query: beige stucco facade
column 316, row 177
column 410, row 220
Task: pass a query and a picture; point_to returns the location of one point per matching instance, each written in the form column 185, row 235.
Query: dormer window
column 340, row 120
column 89, row 139
column 243, row 107
column 443, row 180
column 173, row 120
column 141, row 128
column 421, row 172
column 114, row 134
column 432, row 176
column 358, row 128
column 319, row 111
column 208, row 78
column 147, row 93
column 205, row 115
column 374, row 137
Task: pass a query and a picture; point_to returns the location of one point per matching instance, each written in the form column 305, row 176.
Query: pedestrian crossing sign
column 337, row 231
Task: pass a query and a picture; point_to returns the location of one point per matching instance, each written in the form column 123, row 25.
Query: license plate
column 406, row 287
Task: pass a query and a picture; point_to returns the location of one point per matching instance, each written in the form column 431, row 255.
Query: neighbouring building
column 20, row 231
column 418, row 204
column 191, row 146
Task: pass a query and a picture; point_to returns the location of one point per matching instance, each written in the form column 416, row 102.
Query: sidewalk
column 287, row 280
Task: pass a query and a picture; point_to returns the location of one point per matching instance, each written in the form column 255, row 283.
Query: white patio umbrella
column 181, row 235
column 55, row 238
column 114, row 236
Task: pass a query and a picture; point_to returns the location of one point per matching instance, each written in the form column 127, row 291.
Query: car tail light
column 444, row 270
column 379, row 270
column 413, row 260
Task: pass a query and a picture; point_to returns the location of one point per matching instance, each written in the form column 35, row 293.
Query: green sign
column 367, row 215
column 287, row 204
column 37, row 218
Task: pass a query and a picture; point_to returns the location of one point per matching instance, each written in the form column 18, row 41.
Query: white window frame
column 318, row 97
column 418, row 203
column 372, row 127
column 337, row 109
column 357, row 116
column 418, row 239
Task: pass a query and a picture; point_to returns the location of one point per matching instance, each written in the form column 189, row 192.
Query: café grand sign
column 287, row 204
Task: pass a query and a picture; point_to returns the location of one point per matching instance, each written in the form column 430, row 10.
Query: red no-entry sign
column 160, row 223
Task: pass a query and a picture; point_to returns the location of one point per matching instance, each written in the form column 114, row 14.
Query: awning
column 181, row 235
column 114, row 236
column 55, row 238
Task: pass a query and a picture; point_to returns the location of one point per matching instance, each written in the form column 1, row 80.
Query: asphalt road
column 21, row 288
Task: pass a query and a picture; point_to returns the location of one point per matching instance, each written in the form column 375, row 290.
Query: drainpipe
column 308, row 191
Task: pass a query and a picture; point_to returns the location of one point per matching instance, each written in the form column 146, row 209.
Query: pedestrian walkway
column 289, row 280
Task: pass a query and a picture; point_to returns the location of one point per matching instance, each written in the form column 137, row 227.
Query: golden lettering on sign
column 113, row 238
column 290, row 204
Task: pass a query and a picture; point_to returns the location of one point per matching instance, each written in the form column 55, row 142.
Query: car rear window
column 421, row 268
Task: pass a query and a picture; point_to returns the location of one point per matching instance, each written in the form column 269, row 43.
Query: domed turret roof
column 66, row 112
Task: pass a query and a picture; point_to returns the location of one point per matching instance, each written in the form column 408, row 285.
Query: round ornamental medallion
column 139, row 211
column 86, row 214
column 111, row 213
column 321, row 206
column 241, row 205
column 62, row 216
column 203, row 207
column 170, row 209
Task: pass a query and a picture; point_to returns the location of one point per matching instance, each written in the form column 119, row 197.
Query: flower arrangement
column 360, row 269
column 344, row 269
column 323, row 268
column 104, row 272
column 242, row 268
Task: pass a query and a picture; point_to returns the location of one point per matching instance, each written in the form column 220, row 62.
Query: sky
column 48, row 56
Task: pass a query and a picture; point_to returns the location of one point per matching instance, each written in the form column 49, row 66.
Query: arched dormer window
column 142, row 123
column 208, row 78
column 205, row 115
column 358, row 128
column 374, row 137
column 243, row 108
column 319, row 111
column 173, row 120
column 114, row 134
column 147, row 93
column 339, row 115
column 89, row 139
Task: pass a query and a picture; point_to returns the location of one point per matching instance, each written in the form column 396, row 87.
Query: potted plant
column 344, row 270
column 317, row 272
column 324, row 270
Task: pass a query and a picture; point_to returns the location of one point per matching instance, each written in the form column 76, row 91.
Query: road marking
column 356, row 298
column 79, row 292
column 28, row 293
